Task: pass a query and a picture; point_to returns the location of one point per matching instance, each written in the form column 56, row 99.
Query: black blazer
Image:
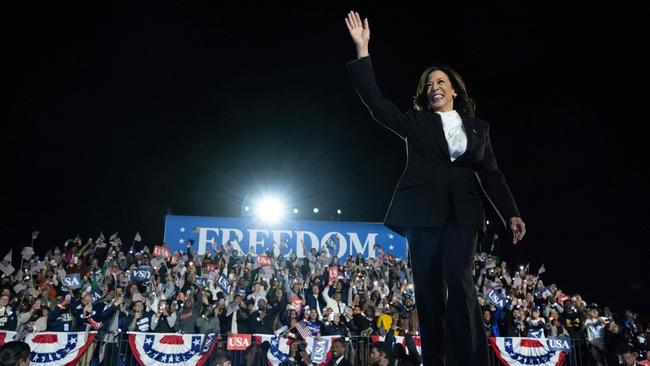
column 433, row 190
column 344, row 362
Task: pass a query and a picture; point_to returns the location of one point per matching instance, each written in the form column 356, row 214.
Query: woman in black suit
column 437, row 203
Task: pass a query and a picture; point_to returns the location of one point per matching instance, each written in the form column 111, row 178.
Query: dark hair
column 13, row 352
column 382, row 347
column 221, row 358
column 463, row 104
column 339, row 340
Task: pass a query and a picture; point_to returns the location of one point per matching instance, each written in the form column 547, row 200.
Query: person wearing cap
column 536, row 323
column 189, row 311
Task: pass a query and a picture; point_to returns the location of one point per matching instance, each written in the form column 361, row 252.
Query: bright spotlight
column 246, row 208
column 295, row 210
column 338, row 212
column 269, row 209
column 315, row 209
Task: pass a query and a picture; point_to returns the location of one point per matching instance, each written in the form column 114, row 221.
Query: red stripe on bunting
column 45, row 338
column 82, row 350
column 172, row 339
column 134, row 349
column 530, row 343
column 493, row 341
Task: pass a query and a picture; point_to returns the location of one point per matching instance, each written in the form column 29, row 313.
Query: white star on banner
column 148, row 341
column 180, row 241
column 182, row 229
column 197, row 342
column 391, row 247
column 390, row 236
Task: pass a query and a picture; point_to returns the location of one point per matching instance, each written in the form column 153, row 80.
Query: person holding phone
column 164, row 319
column 140, row 319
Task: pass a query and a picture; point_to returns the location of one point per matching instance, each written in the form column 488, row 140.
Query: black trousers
column 450, row 319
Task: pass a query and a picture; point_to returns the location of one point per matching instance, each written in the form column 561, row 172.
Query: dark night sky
column 118, row 114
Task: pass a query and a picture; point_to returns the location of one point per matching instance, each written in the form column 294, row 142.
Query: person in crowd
column 595, row 329
column 338, row 354
column 572, row 319
column 8, row 317
column 140, row 319
column 380, row 293
column 14, row 353
column 164, row 320
column 222, row 359
column 209, row 322
column 337, row 327
column 630, row 357
column 189, row 312
column 334, row 302
column 615, row 343
column 535, row 324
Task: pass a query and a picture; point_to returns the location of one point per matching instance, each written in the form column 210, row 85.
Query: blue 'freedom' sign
column 248, row 235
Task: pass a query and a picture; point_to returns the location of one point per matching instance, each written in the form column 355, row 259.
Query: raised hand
column 359, row 31
column 518, row 228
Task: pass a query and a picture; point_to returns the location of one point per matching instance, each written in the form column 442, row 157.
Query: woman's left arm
column 496, row 188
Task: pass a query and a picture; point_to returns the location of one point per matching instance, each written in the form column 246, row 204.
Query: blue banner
column 249, row 235
column 497, row 300
column 224, row 284
column 319, row 349
column 562, row 344
column 72, row 280
column 142, row 273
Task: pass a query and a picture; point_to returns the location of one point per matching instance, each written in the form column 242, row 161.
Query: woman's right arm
column 363, row 79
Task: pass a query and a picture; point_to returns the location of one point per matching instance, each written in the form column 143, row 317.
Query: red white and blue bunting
column 54, row 348
column 525, row 351
column 151, row 349
column 280, row 347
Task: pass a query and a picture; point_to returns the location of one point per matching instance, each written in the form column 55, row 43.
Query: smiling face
column 440, row 92
column 313, row 314
column 338, row 349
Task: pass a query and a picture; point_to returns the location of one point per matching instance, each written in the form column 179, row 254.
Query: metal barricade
column 357, row 352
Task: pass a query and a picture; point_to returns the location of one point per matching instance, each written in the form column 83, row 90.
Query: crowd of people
column 232, row 292
column 533, row 309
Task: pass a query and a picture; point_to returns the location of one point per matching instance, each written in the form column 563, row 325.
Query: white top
column 452, row 124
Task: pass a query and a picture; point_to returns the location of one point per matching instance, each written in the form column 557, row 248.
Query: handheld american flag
column 5, row 264
column 303, row 329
